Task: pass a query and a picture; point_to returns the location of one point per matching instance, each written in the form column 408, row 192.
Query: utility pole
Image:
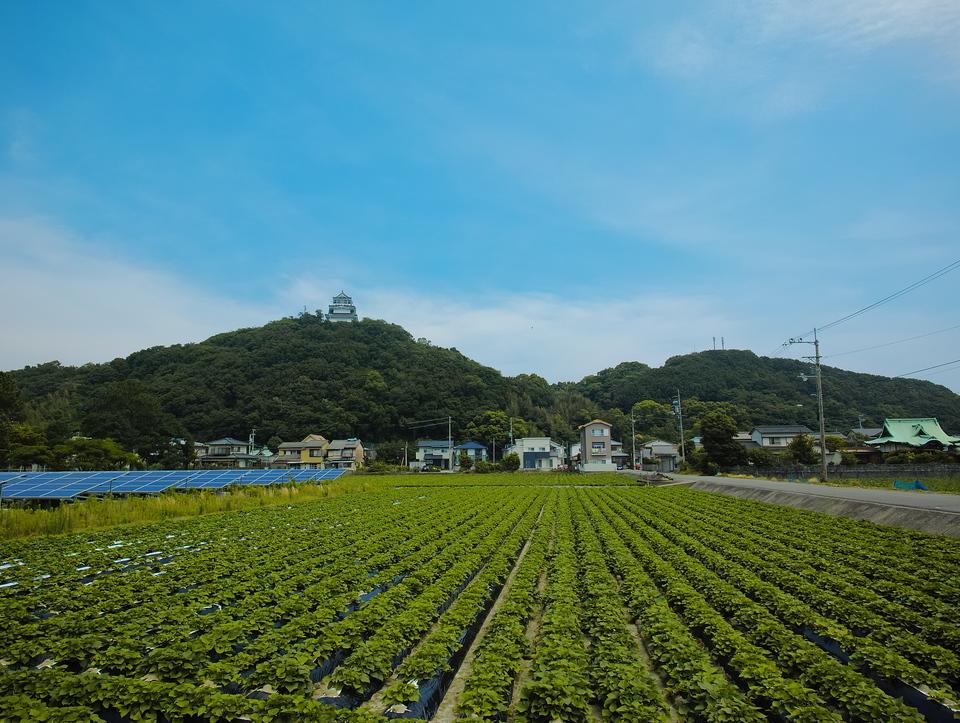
column 823, row 434
column 511, row 431
column 405, row 456
column 679, row 409
column 633, row 439
column 450, row 443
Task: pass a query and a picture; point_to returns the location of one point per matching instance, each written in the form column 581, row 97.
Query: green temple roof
column 914, row 432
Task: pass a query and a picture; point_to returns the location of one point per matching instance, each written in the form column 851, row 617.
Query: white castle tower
column 342, row 309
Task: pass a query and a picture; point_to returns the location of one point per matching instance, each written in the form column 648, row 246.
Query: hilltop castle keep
column 342, row 309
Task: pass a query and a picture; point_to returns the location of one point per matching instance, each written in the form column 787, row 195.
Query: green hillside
column 763, row 390
column 372, row 379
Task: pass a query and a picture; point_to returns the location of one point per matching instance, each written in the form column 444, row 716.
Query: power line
column 935, row 366
column 915, row 285
column 891, row 343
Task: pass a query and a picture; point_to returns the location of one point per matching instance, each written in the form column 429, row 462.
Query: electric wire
column 935, row 366
column 891, row 343
column 886, row 299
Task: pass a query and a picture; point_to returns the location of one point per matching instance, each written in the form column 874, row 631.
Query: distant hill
column 767, row 390
column 286, row 379
column 372, row 379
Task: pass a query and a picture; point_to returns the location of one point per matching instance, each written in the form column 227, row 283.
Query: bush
column 510, row 463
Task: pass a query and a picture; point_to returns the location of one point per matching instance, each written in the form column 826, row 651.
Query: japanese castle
column 342, row 309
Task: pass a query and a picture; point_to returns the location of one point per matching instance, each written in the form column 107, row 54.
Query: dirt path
column 447, row 709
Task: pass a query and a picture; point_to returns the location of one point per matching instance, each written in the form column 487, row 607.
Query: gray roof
column 343, row 443
column 783, row 429
column 228, row 440
column 303, row 445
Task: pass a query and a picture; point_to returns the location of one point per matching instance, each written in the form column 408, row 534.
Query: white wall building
column 537, row 453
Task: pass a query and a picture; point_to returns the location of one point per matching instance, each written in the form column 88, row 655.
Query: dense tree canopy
column 372, row 379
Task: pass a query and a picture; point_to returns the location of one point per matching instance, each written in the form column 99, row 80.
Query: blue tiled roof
column 471, row 445
column 433, row 443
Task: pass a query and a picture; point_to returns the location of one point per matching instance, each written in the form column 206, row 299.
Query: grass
column 94, row 513
column 111, row 511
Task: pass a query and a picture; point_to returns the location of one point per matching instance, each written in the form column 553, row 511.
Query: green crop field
column 443, row 597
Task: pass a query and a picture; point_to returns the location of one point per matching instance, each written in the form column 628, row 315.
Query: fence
column 856, row 471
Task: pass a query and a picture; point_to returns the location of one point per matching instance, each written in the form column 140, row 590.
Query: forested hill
column 372, row 379
column 764, row 390
column 286, row 379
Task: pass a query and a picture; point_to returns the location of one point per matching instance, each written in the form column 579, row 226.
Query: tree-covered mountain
column 286, row 379
column 765, row 390
column 373, row 380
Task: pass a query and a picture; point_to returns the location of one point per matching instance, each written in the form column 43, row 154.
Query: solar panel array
column 67, row 485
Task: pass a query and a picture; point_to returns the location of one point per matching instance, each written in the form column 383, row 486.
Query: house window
column 599, row 432
column 316, row 452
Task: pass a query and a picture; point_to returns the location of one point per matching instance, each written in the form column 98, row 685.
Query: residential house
column 776, row 438
column 596, row 450
column 435, row 454
column 342, row 309
column 858, row 433
column 620, row 458
column 537, row 453
column 744, row 439
column 343, row 454
column 913, row 434
column 475, row 451
column 661, row 456
column 234, row 453
column 308, row 453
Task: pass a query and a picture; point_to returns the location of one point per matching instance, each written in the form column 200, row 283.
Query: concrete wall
column 938, row 523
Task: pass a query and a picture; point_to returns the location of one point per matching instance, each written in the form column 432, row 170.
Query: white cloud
column 64, row 299
column 862, row 24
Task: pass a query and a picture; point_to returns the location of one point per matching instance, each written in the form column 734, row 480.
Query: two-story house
column 235, row 453
column 435, row 454
column 343, row 454
column 305, row 454
column 777, row 437
column 537, row 453
column 596, row 449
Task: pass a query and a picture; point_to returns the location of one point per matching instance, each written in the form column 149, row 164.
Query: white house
column 665, row 456
column 776, row 438
column 537, row 453
column 435, row 453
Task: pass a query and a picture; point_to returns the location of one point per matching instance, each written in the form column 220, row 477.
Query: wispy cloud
column 861, row 24
column 66, row 299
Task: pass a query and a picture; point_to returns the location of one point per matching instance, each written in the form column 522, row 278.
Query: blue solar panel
column 58, row 485
column 212, row 479
column 265, row 477
column 6, row 476
column 149, row 482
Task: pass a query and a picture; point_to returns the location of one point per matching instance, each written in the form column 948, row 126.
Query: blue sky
column 495, row 177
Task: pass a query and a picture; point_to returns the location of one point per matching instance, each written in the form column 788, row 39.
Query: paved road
column 917, row 500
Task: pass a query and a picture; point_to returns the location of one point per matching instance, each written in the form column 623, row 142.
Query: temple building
column 342, row 309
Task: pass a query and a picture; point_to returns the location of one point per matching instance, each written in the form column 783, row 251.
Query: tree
column 391, row 452
column 494, row 426
column 800, row 450
column 130, row 413
column 466, row 461
column 760, row 457
column 655, row 420
column 510, row 463
column 718, row 430
column 93, row 454
column 835, row 444
column 11, row 410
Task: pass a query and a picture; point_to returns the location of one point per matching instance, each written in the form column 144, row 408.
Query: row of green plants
column 747, row 612
column 780, row 669
column 263, row 614
column 500, row 652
